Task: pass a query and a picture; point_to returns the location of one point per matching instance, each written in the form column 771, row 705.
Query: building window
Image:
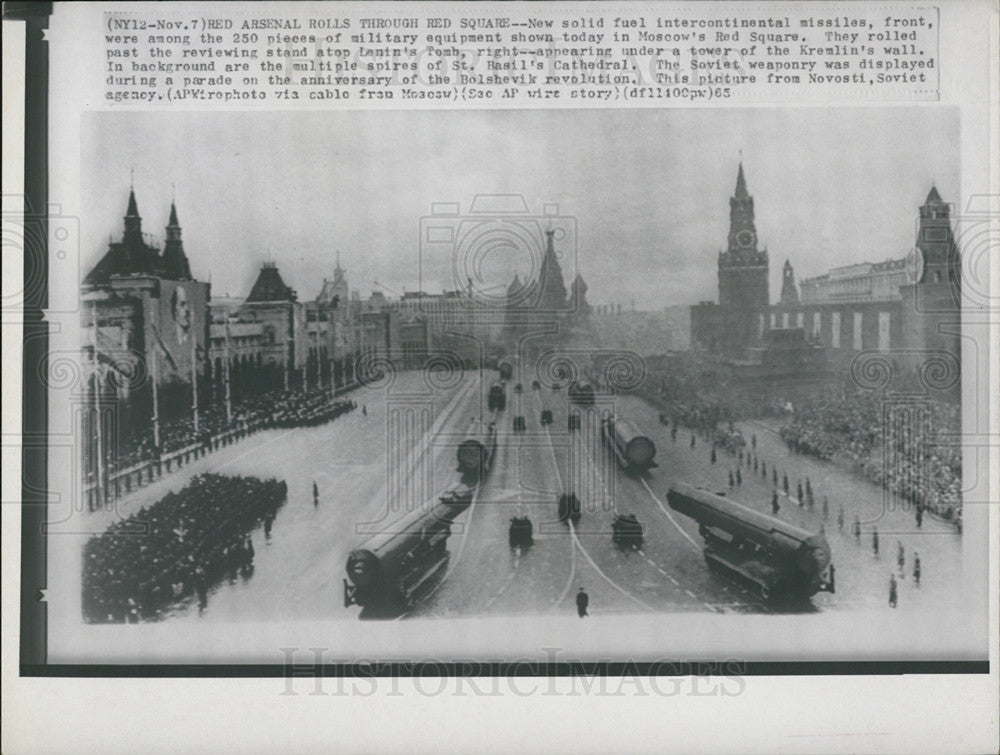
column 835, row 330
column 883, row 331
column 858, row 343
column 760, row 325
column 800, row 320
column 773, row 320
column 817, row 324
column 784, row 319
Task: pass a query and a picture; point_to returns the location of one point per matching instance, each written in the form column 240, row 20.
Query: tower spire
column 175, row 261
column 133, row 222
column 741, row 182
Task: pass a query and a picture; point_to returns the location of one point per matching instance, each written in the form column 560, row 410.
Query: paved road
column 370, row 469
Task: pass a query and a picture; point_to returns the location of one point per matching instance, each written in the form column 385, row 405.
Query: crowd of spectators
column 180, row 546
column 910, row 449
column 277, row 408
column 897, row 446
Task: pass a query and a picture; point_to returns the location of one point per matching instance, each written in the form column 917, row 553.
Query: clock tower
column 743, row 274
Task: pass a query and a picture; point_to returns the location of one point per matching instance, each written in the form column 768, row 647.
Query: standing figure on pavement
column 315, row 495
column 857, row 528
column 774, row 503
column 840, row 518
column 826, row 508
column 582, row 601
column 916, row 568
column 875, row 542
column 901, row 558
column 893, row 593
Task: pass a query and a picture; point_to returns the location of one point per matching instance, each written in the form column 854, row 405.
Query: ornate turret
column 789, row 291
column 130, row 256
column 578, row 297
column 175, row 262
column 936, row 241
column 133, row 223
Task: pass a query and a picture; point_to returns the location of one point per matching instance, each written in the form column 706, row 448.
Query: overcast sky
column 648, row 189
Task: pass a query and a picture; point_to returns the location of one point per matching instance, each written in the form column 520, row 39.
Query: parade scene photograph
column 518, row 373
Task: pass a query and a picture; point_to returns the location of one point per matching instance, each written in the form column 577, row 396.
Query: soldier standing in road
column 364, row 409
column 753, row 441
column 826, row 508
column 916, row 568
column 901, row 558
column 763, row 469
column 799, row 491
column 673, row 432
column 739, row 477
column 875, row 542
column 692, row 440
column 731, row 481
column 892, row 590
column 784, row 482
column 713, row 454
column 755, row 462
column 315, row 495
column 774, row 503
column 840, row 518
column 857, row 528
column 582, row 601
column 920, row 515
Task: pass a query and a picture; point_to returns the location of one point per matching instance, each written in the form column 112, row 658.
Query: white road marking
column 669, row 515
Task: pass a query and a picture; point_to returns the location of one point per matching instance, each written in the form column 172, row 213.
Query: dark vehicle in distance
column 569, row 508
column 496, row 399
column 521, row 533
column 626, row 531
column 779, row 560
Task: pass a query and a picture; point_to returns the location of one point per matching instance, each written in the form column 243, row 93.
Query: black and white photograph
column 367, row 361
column 526, row 373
